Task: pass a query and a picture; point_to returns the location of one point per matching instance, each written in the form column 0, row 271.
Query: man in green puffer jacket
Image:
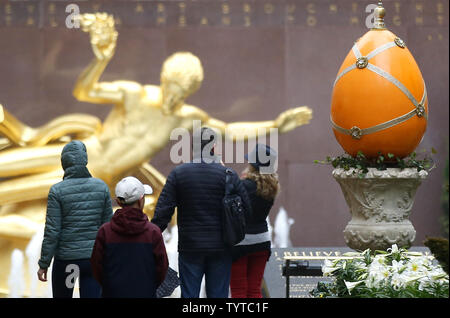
column 76, row 208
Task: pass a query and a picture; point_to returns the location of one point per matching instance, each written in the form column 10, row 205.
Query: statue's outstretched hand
column 102, row 32
column 292, row 118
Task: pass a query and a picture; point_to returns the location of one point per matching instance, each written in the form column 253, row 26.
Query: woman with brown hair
column 252, row 253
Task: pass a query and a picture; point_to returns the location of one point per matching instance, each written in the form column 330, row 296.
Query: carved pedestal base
column 380, row 204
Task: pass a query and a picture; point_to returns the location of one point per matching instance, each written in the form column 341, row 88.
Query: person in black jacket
column 196, row 189
column 251, row 254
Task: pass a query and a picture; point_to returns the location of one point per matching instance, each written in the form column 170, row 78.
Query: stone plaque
column 274, row 283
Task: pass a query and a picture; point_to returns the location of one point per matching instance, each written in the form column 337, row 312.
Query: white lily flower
column 397, row 266
column 394, row 249
column 351, row 285
column 414, row 265
column 376, row 278
column 328, row 267
column 411, row 279
column 398, row 281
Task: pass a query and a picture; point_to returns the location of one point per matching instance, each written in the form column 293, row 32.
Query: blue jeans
column 215, row 266
column 64, row 276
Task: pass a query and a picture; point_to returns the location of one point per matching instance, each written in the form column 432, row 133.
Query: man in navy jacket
column 129, row 257
column 196, row 189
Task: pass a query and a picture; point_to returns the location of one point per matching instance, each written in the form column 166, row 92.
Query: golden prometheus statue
column 137, row 128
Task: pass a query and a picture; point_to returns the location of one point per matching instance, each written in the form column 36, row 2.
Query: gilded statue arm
column 103, row 39
column 286, row 121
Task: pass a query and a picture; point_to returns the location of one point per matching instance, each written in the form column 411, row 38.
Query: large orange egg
column 379, row 101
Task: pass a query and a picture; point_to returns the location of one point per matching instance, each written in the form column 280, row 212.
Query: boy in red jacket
column 129, row 257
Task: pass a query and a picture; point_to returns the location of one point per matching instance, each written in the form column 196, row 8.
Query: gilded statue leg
column 28, row 188
column 77, row 125
column 30, row 160
column 20, row 221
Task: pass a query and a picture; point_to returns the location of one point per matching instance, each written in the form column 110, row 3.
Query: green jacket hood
column 74, row 160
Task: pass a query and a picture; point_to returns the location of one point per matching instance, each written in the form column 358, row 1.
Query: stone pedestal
column 380, row 204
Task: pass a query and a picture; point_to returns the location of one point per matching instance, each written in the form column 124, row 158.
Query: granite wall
column 260, row 57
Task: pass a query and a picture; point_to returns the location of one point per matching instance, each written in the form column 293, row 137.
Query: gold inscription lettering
column 8, row 8
column 290, row 8
column 419, row 7
column 354, row 20
column 53, row 22
column 311, row 21
column 30, row 21
column 182, row 21
column 226, row 20
column 8, row 20
column 139, row 8
column 225, row 8
column 310, row 8
column 247, row 21
column 333, row 8
column 247, row 8
column 51, row 8
column 268, row 8
column 8, row 12
column 290, row 19
column 419, row 20
column 160, row 20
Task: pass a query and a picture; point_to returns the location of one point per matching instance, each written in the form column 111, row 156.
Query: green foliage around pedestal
column 439, row 247
column 382, row 162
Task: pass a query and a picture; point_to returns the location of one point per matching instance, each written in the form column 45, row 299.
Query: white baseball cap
column 131, row 189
